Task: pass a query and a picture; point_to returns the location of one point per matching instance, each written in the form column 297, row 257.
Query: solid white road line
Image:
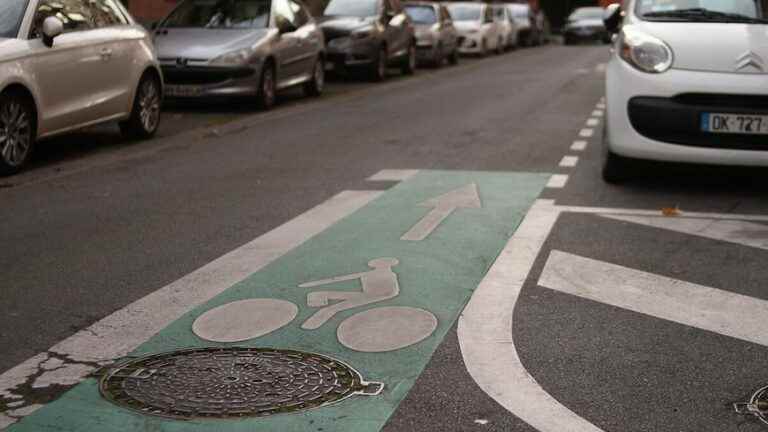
column 579, row 145
column 699, row 306
column 587, row 133
column 557, row 181
column 593, row 122
column 393, row 175
column 622, row 211
column 486, row 325
column 120, row 333
column 569, row 161
column 734, row 231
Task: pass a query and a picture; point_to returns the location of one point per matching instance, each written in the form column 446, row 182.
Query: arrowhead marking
column 464, row 197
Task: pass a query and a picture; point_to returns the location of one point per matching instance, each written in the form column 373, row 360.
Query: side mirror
column 52, row 28
column 612, row 17
column 285, row 26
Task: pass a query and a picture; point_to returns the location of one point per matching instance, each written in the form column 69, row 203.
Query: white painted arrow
column 443, row 206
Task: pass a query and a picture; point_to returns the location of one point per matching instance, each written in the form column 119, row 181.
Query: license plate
column 745, row 124
column 182, row 91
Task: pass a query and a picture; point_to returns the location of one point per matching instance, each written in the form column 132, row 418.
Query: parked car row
column 70, row 64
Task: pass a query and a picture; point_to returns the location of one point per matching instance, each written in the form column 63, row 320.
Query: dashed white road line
column 393, row 175
column 579, row 145
column 569, row 161
column 557, row 181
column 598, row 113
column 601, row 106
column 593, row 122
column 587, row 133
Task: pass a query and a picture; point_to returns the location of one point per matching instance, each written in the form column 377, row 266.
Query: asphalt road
column 100, row 223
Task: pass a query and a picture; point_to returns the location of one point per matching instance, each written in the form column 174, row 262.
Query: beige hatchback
column 68, row 64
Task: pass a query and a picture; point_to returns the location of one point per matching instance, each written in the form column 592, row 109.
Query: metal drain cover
column 757, row 405
column 231, row 383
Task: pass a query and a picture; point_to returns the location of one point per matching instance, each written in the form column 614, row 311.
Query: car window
column 746, row 8
column 421, row 14
column 11, row 14
column 488, row 15
column 499, row 13
column 76, row 15
column 106, row 13
column 466, row 12
column 220, row 14
column 300, row 13
column 355, row 8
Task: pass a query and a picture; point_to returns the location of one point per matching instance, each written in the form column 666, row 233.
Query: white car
column 687, row 83
column 506, row 26
column 479, row 31
column 521, row 18
column 65, row 65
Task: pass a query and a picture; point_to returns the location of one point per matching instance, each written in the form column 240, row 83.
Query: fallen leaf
column 671, row 211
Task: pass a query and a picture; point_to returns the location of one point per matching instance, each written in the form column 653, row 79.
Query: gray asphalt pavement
column 100, row 223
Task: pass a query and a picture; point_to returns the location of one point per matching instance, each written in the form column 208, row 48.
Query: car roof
column 422, row 3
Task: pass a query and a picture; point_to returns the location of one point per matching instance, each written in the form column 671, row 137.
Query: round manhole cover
column 757, row 405
column 231, row 383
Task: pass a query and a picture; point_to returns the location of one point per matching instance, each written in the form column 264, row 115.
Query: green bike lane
column 418, row 251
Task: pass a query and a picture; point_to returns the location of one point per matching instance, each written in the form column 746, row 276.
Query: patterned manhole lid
column 231, row 383
column 757, row 405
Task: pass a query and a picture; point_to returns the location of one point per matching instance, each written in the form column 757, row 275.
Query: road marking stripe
column 557, row 181
column 598, row 113
column 120, row 333
column 699, row 306
column 587, row 133
column 739, row 232
column 486, row 325
column 593, row 122
column 601, row 106
column 579, row 145
column 393, row 175
column 569, row 161
column 623, row 211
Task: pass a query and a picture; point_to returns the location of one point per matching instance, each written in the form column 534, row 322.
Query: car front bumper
column 587, row 34
column 657, row 116
column 471, row 43
column 344, row 53
column 209, row 81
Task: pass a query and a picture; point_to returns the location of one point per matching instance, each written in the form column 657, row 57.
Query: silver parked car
column 240, row 47
column 65, row 65
column 436, row 37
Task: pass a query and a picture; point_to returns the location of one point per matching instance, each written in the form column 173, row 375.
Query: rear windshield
column 699, row 10
column 587, row 13
column 465, row 12
column 421, row 14
column 355, row 8
column 220, row 14
column 11, row 14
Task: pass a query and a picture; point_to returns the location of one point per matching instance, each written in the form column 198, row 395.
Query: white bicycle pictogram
column 377, row 329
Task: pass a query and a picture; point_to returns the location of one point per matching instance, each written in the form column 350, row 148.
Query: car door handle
column 106, row 54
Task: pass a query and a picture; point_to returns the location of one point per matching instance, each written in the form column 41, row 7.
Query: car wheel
column 453, row 59
column 500, row 47
column 378, row 70
column 483, row 48
column 267, row 87
column 17, row 132
column 617, row 169
column 314, row 87
column 439, row 58
column 409, row 65
column 568, row 41
column 145, row 115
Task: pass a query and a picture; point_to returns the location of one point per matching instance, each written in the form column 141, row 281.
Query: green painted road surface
column 437, row 274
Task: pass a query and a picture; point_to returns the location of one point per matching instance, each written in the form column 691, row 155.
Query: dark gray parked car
column 436, row 37
column 370, row 35
column 240, row 47
column 586, row 24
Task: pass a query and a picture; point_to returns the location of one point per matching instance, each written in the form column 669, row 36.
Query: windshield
column 465, row 12
column 700, row 10
column 355, row 8
column 519, row 12
column 220, row 14
column 421, row 14
column 11, row 14
column 587, row 14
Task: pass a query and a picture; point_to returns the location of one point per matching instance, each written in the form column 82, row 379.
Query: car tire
column 378, row 70
column 267, row 94
column 453, row 59
column 315, row 86
column 500, row 47
column 409, row 63
column 483, row 48
column 568, row 41
column 145, row 114
column 18, row 122
column 617, row 169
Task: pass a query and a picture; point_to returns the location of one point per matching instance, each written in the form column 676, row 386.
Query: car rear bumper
column 658, row 116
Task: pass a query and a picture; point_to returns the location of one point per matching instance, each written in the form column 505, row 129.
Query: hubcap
column 149, row 106
column 15, row 133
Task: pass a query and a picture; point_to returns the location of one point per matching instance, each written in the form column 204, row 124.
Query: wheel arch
column 22, row 90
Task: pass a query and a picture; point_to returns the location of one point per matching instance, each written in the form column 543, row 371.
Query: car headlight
column 234, row 58
column 645, row 52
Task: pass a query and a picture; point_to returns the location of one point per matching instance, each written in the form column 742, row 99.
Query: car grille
column 331, row 34
column 200, row 75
